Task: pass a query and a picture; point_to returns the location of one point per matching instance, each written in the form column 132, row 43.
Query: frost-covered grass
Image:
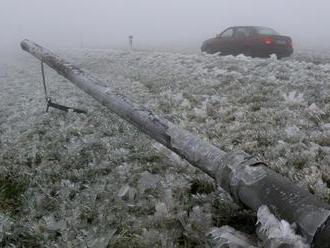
column 95, row 181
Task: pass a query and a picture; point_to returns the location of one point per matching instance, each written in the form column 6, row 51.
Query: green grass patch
column 225, row 213
column 199, row 186
column 11, row 191
column 20, row 236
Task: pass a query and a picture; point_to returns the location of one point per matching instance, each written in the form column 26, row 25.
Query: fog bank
column 156, row 23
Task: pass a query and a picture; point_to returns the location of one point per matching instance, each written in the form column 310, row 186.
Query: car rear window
column 266, row 31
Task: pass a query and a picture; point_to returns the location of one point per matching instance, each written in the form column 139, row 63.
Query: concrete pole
column 246, row 179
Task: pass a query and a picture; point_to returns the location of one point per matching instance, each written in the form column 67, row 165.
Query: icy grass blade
column 276, row 232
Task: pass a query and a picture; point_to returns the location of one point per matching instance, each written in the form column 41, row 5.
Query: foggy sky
column 107, row 23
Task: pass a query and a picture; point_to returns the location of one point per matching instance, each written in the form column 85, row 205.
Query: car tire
column 247, row 52
column 210, row 50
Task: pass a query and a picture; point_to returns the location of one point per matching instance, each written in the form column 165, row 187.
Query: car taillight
column 268, row 40
column 290, row 43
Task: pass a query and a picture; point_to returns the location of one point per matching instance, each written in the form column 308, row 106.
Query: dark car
column 250, row 41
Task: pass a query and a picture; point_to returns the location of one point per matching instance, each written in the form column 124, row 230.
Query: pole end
column 23, row 44
column 322, row 237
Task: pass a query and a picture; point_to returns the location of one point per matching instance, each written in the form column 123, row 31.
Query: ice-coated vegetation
column 277, row 233
column 75, row 180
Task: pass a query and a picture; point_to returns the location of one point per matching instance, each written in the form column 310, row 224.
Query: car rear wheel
column 280, row 56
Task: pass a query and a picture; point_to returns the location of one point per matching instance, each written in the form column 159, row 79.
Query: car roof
column 254, row 27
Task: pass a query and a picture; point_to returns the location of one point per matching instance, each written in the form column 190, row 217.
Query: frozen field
column 75, row 180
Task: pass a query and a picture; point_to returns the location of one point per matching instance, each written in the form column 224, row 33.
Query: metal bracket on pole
column 49, row 100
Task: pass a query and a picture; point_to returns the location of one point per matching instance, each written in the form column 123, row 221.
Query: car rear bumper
column 266, row 51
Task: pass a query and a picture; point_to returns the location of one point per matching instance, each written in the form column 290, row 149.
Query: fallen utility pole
column 246, row 179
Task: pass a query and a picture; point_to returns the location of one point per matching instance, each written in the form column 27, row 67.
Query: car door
column 240, row 41
column 224, row 41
